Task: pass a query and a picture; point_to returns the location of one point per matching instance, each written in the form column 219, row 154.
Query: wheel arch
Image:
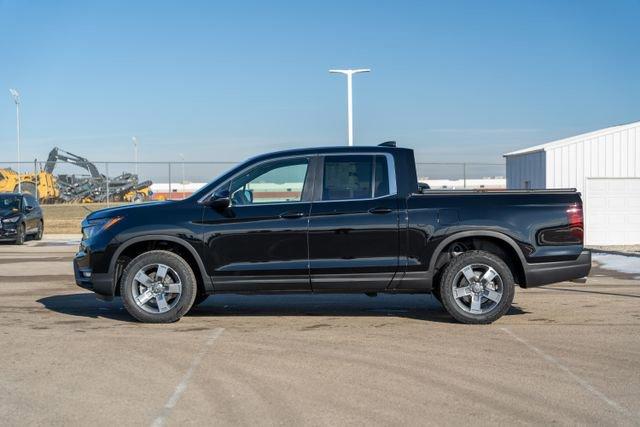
column 506, row 242
column 146, row 243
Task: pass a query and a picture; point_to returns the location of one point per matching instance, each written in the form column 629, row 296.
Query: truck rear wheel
column 158, row 287
column 477, row 287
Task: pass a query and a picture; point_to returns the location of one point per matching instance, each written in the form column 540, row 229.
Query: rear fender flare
column 487, row 233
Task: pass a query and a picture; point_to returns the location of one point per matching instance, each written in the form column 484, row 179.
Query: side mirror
column 28, row 208
column 219, row 200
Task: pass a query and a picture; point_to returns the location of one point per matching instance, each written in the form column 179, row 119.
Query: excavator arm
column 58, row 154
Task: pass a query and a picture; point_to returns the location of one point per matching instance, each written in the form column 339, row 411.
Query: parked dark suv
column 20, row 216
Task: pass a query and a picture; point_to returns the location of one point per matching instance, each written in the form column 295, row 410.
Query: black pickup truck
column 337, row 219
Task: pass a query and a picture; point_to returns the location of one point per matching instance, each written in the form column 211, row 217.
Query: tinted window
column 31, row 201
column 355, row 177
column 9, row 202
column 276, row 182
column 347, row 177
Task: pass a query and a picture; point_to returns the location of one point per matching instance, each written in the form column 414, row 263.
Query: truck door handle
column 380, row 210
column 291, row 215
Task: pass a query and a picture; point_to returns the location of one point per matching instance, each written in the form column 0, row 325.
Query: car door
column 259, row 242
column 37, row 211
column 30, row 210
column 353, row 226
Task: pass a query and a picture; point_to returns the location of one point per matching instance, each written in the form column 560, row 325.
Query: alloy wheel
column 477, row 288
column 156, row 288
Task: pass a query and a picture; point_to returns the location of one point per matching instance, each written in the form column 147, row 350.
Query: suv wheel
column 40, row 232
column 158, row 287
column 22, row 234
column 477, row 287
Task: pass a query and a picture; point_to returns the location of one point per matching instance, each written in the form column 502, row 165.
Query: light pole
column 135, row 154
column 182, row 157
column 16, row 98
column 349, row 74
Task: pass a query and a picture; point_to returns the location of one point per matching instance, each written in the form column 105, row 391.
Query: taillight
column 576, row 222
column 574, row 215
column 570, row 234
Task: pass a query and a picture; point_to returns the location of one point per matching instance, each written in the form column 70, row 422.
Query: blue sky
column 463, row 81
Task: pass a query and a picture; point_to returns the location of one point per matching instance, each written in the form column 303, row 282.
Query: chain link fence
column 82, row 182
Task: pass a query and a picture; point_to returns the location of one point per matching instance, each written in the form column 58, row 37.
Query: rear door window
column 355, row 177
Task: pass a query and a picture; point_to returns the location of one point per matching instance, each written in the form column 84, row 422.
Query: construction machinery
column 40, row 184
column 91, row 188
column 94, row 187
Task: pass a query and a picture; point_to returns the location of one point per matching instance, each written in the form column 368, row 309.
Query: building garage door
column 612, row 211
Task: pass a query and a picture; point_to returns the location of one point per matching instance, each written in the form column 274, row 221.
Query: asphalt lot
column 567, row 353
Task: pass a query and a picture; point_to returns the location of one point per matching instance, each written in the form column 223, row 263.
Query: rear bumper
column 552, row 272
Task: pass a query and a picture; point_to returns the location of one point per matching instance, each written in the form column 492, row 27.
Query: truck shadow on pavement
column 419, row 307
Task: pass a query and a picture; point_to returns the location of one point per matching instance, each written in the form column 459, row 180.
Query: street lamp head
column 135, row 141
column 351, row 71
column 16, row 96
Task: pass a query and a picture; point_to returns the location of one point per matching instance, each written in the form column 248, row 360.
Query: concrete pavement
column 567, row 353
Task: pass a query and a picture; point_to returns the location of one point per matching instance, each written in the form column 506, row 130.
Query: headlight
column 97, row 225
column 11, row 220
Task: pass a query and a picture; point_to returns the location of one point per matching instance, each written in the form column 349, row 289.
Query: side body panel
column 351, row 247
column 514, row 218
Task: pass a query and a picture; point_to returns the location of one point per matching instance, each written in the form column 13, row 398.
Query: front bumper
column 8, row 233
column 544, row 273
column 101, row 284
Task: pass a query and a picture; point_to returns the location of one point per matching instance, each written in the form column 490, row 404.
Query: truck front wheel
column 477, row 287
column 158, row 287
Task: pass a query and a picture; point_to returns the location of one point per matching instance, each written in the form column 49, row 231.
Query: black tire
column 452, row 278
column 183, row 301
column 22, row 234
column 40, row 232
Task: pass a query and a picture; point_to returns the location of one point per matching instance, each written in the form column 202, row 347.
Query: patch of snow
column 619, row 263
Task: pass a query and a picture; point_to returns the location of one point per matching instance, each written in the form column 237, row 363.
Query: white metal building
column 603, row 165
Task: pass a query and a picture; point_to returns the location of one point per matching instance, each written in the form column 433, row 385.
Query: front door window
column 277, row 182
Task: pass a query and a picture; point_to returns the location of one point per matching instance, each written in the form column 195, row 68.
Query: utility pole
column 349, row 73
column 16, row 98
column 182, row 157
column 135, row 153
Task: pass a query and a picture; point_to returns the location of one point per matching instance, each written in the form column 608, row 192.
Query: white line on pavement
column 615, row 405
column 182, row 385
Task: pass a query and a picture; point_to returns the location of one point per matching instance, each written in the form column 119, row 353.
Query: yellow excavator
column 95, row 187
column 42, row 184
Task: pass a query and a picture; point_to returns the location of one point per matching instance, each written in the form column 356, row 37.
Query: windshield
column 9, row 202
